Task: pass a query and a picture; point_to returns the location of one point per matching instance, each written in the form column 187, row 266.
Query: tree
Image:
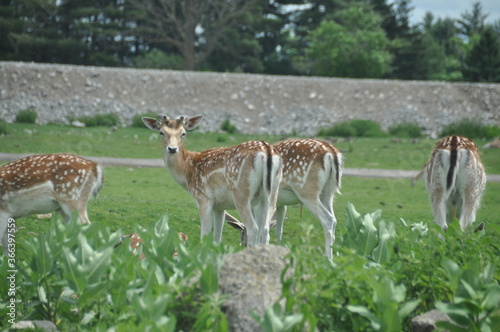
column 472, row 22
column 195, row 28
column 96, row 32
column 355, row 47
column 483, row 61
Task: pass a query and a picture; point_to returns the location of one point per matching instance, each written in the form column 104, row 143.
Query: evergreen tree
column 482, row 64
column 472, row 22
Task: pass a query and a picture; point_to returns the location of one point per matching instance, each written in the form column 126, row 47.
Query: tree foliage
column 483, row 61
column 361, row 38
column 354, row 47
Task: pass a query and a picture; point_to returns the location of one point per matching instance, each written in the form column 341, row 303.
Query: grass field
column 139, row 196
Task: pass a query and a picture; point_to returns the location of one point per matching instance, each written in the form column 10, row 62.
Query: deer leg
column 67, row 208
column 261, row 214
column 4, row 219
column 280, row 219
column 327, row 220
column 252, row 227
column 439, row 206
column 326, row 199
column 206, row 210
column 469, row 209
column 218, row 224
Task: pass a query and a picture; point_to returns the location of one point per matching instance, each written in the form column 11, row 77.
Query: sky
column 453, row 9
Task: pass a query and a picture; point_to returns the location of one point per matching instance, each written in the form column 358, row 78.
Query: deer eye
column 183, row 134
column 162, row 134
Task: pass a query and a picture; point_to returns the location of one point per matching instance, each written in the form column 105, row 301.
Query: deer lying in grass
column 312, row 172
column 455, row 180
column 44, row 183
column 245, row 177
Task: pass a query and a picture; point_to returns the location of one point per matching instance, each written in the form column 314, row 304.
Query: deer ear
column 151, row 123
column 192, row 122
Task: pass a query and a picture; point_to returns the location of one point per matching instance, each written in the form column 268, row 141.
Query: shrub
column 137, row 120
column 471, row 128
column 491, row 131
column 354, row 128
column 74, row 277
column 102, row 120
column 406, row 130
column 159, row 60
column 228, row 127
column 28, row 115
column 367, row 128
column 3, row 127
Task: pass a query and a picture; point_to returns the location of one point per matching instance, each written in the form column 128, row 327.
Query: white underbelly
column 286, row 196
column 39, row 199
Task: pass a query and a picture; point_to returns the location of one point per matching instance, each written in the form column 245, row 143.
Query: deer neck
column 180, row 164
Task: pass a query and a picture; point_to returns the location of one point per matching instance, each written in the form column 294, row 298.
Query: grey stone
column 34, row 324
column 251, row 281
column 427, row 321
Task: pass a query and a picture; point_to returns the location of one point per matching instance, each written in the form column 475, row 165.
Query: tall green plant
column 76, row 278
column 389, row 307
column 476, row 303
column 369, row 235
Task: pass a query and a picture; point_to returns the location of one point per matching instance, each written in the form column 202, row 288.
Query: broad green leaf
column 73, row 271
column 84, row 250
column 92, row 292
column 458, row 313
column 408, row 308
column 453, row 271
column 367, row 237
column 382, row 252
column 87, row 318
column 451, row 327
column 353, row 221
column 292, row 320
column 365, row 312
column 44, row 259
column 98, row 263
column 487, row 274
column 492, row 299
column 470, row 291
column 42, row 295
column 390, row 317
column 209, row 281
column 161, row 227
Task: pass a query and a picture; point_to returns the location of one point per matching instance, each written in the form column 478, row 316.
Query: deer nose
column 172, row 149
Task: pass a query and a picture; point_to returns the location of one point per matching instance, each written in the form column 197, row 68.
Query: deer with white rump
column 45, row 183
column 455, row 180
column 312, row 172
column 245, row 177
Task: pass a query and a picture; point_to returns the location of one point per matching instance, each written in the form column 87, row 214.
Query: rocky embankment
column 257, row 104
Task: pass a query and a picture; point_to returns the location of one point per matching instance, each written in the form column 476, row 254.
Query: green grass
column 134, row 197
column 140, row 196
column 378, row 153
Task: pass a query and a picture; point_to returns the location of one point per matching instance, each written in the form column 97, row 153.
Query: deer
column 244, row 177
column 44, row 183
column 312, row 173
column 455, row 180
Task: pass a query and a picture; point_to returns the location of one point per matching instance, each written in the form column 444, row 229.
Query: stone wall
column 257, row 104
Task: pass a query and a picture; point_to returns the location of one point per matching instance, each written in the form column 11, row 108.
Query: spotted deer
column 455, row 180
column 312, row 173
column 245, row 177
column 44, row 183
